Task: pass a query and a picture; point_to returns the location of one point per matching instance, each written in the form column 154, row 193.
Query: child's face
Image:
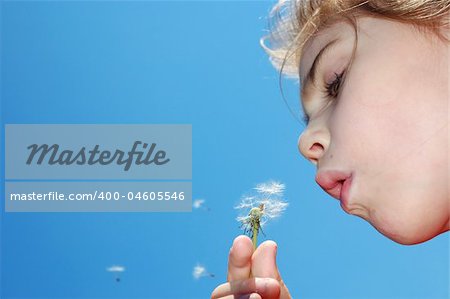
column 388, row 126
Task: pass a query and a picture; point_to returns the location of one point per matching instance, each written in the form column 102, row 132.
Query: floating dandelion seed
column 200, row 204
column 116, row 270
column 260, row 208
column 200, row 271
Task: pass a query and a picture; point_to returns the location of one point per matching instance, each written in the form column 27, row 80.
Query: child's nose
column 312, row 144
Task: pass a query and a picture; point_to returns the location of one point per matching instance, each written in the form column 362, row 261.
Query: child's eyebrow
column 311, row 75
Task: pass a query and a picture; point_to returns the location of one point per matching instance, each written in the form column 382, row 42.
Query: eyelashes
column 331, row 90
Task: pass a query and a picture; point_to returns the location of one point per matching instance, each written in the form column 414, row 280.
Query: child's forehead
column 341, row 31
column 337, row 32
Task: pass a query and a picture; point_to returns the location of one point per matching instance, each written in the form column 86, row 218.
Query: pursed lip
column 335, row 183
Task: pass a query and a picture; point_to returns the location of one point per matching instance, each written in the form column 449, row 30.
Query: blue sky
column 186, row 62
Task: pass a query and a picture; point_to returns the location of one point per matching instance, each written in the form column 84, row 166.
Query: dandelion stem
column 255, row 237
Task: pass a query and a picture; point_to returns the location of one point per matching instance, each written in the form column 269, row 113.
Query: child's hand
column 252, row 275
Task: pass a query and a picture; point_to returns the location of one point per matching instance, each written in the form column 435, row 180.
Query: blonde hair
column 293, row 23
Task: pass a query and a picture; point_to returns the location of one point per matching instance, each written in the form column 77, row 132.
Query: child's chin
column 405, row 225
column 408, row 235
column 410, row 240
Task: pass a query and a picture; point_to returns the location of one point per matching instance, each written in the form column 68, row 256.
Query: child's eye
column 332, row 89
column 305, row 119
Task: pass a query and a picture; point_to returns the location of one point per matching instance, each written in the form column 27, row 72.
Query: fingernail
column 235, row 241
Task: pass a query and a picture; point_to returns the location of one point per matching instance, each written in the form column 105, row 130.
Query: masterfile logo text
column 78, row 151
column 51, row 154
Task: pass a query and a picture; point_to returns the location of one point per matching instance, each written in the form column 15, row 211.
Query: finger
column 267, row 288
column 239, row 259
column 247, row 296
column 251, row 296
column 264, row 262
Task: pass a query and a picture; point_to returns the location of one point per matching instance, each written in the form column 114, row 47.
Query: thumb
column 264, row 262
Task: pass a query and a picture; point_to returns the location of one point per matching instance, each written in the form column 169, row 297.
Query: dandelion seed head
column 247, row 202
column 270, row 188
column 273, row 208
column 243, row 219
column 256, row 210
